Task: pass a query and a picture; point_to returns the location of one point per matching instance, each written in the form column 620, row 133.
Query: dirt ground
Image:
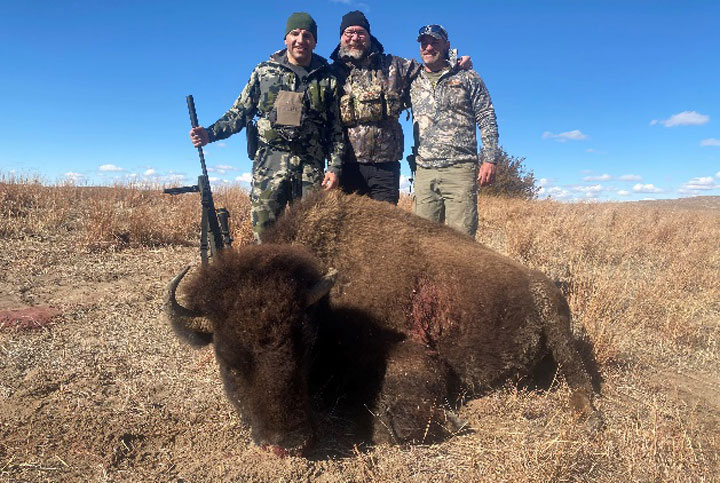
column 105, row 392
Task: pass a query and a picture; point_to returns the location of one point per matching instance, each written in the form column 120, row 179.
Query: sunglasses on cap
column 433, row 30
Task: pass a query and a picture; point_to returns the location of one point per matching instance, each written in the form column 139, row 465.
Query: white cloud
column 554, row 192
column 623, row 193
column 74, row 176
column 220, row 145
column 602, row 177
column 705, row 183
column 150, row 172
column 543, row 182
column 110, row 167
column 574, row 135
column 685, row 118
column 646, row 188
column 213, row 179
column 710, row 142
column 404, row 184
column 244, row 178
column 630, row 177
column 717, row 175
column 589, row 191
column 221, row 168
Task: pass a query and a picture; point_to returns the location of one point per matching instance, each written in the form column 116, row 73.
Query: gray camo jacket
column 445, row 116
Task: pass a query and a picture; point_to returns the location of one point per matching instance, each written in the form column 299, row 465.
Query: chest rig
column 368, row 98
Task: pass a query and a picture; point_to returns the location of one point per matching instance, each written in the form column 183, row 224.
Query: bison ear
column 322, row 287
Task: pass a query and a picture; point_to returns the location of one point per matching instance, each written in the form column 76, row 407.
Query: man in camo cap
column 295, row 99
column 374, row 89
column 447, row 105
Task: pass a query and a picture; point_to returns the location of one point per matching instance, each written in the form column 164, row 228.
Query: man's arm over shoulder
column 484, row 116
column 242, row 110
column 408, row 69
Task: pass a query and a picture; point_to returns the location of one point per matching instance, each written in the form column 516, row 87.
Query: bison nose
column 283, row 444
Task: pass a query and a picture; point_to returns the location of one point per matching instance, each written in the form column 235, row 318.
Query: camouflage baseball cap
column 433, row 30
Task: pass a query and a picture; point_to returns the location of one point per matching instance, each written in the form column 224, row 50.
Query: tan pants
column 448, row 195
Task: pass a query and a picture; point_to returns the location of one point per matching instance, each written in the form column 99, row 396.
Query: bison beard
column 417, row 318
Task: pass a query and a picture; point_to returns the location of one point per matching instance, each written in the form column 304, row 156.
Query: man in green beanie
column 294, row 98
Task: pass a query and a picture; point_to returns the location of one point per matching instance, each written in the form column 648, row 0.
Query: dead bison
column 357, row 304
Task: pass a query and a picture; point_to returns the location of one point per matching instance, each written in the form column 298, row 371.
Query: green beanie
column 301, row 20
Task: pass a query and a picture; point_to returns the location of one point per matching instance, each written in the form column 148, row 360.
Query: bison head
column 260, row 306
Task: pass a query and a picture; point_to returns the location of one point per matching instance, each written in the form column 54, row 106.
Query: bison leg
column 411, row 406
column 555, row 316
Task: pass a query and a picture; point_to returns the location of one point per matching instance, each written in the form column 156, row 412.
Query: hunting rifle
column 215, row 223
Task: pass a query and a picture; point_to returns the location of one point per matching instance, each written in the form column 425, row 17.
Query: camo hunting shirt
column 320, row 134
column 374, row 93
column 445, row 116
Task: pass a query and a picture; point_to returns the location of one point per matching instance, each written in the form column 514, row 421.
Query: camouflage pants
column 278, row 179
column 448, row 195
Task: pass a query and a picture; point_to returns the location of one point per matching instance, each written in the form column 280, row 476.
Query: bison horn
column 322, row 288
column 181, row 318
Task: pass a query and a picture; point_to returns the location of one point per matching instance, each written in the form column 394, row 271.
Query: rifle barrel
column 194, row 123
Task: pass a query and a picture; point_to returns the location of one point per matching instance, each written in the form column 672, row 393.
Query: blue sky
column 606, row 100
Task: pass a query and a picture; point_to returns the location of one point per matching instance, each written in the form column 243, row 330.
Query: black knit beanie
column 356, row 17
column 301, row 20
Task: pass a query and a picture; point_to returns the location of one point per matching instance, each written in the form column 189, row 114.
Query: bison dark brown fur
column 418, row 317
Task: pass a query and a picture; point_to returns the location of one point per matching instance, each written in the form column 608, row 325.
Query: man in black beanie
column 375, row 90
column 294, row 97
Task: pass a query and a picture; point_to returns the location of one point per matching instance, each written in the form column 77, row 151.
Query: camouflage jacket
column 444, row 119
column 320, row 134
column 375, row 90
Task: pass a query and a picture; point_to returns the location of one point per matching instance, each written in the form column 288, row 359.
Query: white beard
column 352, row 53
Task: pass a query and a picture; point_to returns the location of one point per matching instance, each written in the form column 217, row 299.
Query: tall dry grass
column 114, row 217
column 629, row 271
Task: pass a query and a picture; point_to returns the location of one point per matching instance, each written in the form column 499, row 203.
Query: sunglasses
column 433, row 29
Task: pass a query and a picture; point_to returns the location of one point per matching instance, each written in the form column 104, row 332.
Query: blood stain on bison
column 429, row 310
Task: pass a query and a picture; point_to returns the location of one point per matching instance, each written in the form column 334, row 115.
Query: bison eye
column 235, row 358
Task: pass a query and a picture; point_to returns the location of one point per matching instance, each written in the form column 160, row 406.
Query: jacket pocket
column 369, row 105
column 347, row 110
column 393, row 105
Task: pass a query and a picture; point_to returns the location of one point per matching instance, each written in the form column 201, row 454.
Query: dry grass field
column 103, row 391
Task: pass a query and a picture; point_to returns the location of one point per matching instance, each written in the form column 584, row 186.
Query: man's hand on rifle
column 199, row 136
column 330, row 181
